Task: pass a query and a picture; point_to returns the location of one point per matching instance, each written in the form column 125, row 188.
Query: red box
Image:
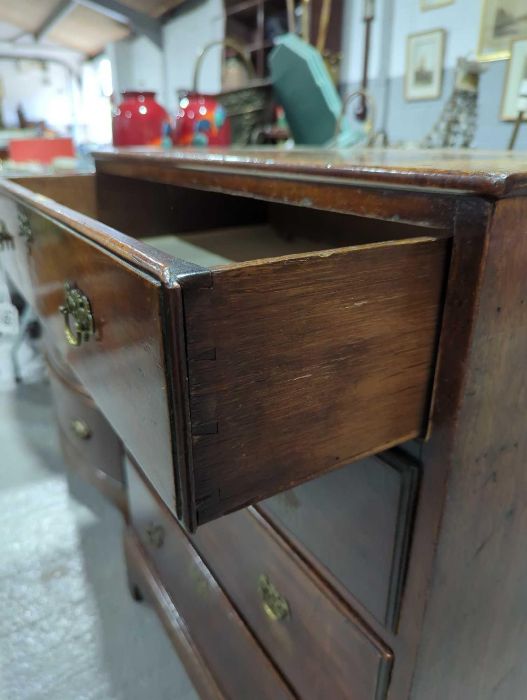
column 40, row 150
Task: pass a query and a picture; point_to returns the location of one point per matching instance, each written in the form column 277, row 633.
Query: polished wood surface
column 493, row 173
column 453, row 625
column 345, row 340
column 145, row 585
column 141, row 208
column 319, row 646
column 354, row 526
column 123, row 366
column 480, row 591
column 74, row 190
column 205, row 618
column 87, row 438
column 428, row 208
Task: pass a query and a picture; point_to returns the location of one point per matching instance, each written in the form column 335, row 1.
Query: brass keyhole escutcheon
column 78, row 319
column 155, row 535
column 274, row 604
column 80, row 428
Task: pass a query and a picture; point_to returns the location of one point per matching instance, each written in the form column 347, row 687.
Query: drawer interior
column 74, row 191
column 212, row 228
column 223, row 246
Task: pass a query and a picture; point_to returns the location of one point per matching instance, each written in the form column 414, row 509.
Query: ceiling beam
column 63, row 8
column 140, row 22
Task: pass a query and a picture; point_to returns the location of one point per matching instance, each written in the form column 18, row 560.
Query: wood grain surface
column 74, row 190
column 475, row 629
column 491, row 173
column 354, row 526
column 320, row 648
column 205, row 620
column 344, row 340
column 99, row 456
column 301, row 364
column 123, row 366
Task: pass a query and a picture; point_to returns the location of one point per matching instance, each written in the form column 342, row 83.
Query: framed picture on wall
column 423, row 78
column 516, row 78
column 501, row 22
column 432, row 4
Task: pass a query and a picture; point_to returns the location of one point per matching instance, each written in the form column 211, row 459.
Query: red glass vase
column 201, row 121
column 138, row 120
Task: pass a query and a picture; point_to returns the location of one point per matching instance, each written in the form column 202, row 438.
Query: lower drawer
column 315, row 640
column 354, row 526
column 89, row 443
column 227, row 648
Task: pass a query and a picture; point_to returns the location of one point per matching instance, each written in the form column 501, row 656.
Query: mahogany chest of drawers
column 301, row 376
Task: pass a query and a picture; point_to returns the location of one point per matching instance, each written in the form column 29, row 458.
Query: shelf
column 242, row 6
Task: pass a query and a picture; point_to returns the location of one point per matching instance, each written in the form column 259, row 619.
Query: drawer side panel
column 300, row 365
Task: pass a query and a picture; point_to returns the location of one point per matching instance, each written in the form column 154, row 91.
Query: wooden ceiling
column 154, row 8
column 87, row 31
column 82, row 28
column 27, row 14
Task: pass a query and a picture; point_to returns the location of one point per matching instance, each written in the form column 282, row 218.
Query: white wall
column 409, row 121
column 353, row 40
column 460, row 19
column 184, row 38
column 138, row 63
column 44, row 93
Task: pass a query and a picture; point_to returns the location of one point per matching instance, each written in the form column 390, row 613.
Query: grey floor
column 68, row 628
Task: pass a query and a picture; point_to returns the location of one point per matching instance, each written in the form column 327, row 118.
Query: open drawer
column 236, row 362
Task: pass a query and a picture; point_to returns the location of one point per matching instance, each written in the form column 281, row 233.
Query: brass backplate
column 80, row 428
column 78, row 318
column 275, row 605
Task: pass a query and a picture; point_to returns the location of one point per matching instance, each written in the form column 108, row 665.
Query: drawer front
column 355, row 525
column 229, row 650
column 122, row 363
column 315, row 641
column 90, row 444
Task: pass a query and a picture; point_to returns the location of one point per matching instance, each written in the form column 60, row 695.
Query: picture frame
column 516, row 73
column 501, row 22
column 425, row 51
column 434, row 4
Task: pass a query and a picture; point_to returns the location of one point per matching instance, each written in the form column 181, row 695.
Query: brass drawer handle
column 155, row 535
column 275, row 605
column 80, row 428
column 78, row 318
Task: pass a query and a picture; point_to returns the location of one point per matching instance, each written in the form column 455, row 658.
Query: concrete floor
column 68, row 628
